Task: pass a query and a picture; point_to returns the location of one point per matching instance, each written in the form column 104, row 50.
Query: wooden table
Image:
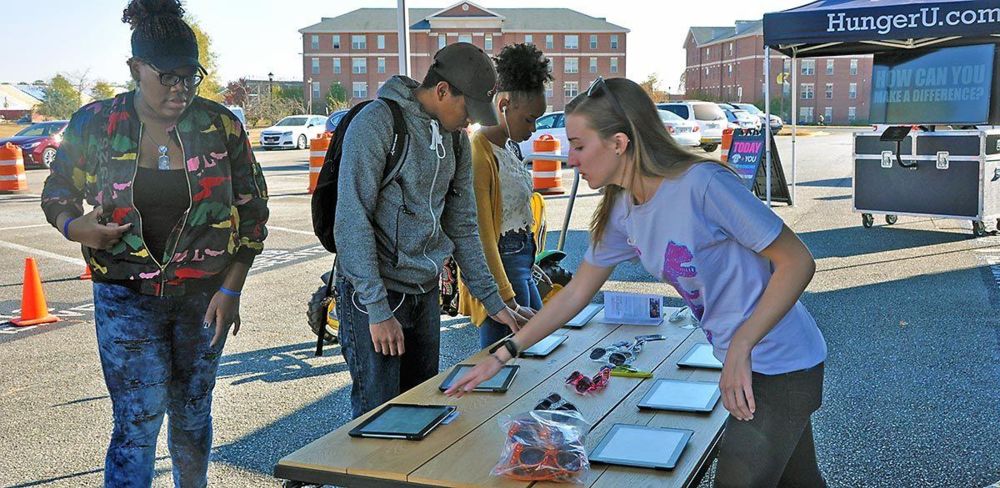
column 463, row 452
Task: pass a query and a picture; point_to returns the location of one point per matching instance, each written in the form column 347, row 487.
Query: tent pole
column 767, row 120
column 795, row 115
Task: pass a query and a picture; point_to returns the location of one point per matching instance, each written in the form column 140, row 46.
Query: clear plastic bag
column 544, row 445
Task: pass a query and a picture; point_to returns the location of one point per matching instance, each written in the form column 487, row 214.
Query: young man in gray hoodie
column 392, row 243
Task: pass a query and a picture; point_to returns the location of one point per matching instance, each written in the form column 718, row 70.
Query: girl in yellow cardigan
column 503, row 188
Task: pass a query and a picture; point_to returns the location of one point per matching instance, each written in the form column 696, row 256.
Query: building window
column 359, row 42
column 315, row 92
column 488, row 42
column 787, row 65
column 315, row 41
column 852, row 91
column 806, row 115
column 593, row 41
column 829, row 91
column 529, row 39
column 465, row 38
column 550, row 41
column 315, row 66
column 360, row 90
column 381, row 41
column 442, row 41
column 336, row 41
column 614, row 65
column 593, row 65
column 706, row 71
column 336, row 66
column 854, row 67
column 571, row 42
column 808, row 91
column 358, row 66
column 614, row 42
column 572, row 65
column 571, row 89
column 729, row 71
column 548, row 91
column 852, row 114
column 808, row 67
column 730, row 49
column 829, row 66
column 381, row 65
column 827, row 114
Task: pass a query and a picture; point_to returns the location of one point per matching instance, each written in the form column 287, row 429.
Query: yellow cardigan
column 486, row 182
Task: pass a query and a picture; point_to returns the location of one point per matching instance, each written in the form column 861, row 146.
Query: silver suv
column 708, row 116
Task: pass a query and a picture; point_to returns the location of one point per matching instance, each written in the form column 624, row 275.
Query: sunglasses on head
column 598, row 88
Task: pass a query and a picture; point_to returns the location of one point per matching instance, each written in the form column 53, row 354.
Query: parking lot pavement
column 908, row 311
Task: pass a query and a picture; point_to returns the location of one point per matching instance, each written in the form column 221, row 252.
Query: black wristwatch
column 509, row 344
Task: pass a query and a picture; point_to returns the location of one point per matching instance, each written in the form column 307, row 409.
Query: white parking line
column 39, row 252
column 24, row 227
column 293, row 231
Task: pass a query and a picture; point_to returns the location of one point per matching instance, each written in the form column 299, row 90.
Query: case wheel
column 867, row 220
column 891, row 219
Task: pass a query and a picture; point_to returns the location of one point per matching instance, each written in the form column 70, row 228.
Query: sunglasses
column 584, row 384
column 555, row 402
column 542, row 453
column 600, row 87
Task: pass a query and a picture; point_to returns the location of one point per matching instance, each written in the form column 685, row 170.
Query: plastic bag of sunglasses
column 544, row 445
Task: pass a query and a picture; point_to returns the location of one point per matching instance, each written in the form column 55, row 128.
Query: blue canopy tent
column 843, row 27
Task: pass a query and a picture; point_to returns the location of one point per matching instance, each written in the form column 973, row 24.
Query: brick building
column 359, row 49
column 727, row 64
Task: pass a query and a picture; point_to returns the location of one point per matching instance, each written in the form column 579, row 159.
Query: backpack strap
column 394, row 160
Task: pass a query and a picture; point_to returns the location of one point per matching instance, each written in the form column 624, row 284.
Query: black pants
column 776, row 447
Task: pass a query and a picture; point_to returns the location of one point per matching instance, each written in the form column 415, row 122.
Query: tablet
column 403, row 421
column 584, row 316
column 545, row 346
column 687, row 396
column 700, row 356
column 641, row 446
column 498, row 383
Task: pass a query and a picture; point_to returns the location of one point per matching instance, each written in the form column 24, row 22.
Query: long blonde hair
column 651, row 151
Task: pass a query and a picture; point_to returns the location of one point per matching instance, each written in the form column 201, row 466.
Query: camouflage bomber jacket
column 98, row 160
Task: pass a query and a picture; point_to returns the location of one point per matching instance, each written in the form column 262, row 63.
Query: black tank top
column 161, row 197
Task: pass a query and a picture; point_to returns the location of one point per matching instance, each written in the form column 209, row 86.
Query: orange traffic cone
column 86, row 274
column 34, row 310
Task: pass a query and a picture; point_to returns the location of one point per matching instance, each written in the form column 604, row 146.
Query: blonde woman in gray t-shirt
column 690, row 222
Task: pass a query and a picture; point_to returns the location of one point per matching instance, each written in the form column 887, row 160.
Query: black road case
column 952, row 174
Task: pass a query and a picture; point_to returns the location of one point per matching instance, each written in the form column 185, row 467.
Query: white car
column 684, row 132
column 708, row 116
column 293, row 132
column 553, row 124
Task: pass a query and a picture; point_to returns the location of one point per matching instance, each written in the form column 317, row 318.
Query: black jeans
column 776, row 447
column 378, row 378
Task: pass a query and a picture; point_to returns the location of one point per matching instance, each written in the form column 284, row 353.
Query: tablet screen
column 585, row 315
column 698, row 396
column 403, row 419
column 499, row 382
column 544, row 346
column 700, row 356
column 643, row 446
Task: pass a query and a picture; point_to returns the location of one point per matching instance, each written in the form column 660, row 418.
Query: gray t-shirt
column 701, row 233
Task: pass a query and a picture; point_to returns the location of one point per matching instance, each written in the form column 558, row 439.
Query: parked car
column 552, row 123
column 334, row 119
column 776, row 123
column 709, row 117
column 685, row 132
column 740, row 119
column 293, row 132
column 240, row 114
column 39, row 142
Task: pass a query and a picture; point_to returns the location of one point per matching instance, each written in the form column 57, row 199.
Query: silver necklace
column 162, row 161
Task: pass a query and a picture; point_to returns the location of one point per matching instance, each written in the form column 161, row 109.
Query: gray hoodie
column 399, row 238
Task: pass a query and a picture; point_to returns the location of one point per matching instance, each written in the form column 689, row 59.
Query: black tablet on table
column 499, row 383
column 686, row 396
column 641, row 446
column 544, row 347
column 403, row 421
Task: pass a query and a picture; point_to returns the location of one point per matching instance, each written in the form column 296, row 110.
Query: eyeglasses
column 584, row 384
column 555, row 402
column 172, row 79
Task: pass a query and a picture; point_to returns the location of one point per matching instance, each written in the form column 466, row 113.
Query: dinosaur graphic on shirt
column 674, row 260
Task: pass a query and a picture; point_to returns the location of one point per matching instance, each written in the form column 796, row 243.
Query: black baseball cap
column 469, row 69
column 168, row 53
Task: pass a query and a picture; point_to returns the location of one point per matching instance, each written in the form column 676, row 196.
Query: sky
column 254, row 37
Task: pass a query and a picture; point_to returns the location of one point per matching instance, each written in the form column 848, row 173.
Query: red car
column 39, row 142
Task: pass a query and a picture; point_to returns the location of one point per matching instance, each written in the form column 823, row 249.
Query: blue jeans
column 156, row 359
column 517, row 253
column 378, row 378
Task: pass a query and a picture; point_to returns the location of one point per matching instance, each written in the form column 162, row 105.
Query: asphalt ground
column 908, row 311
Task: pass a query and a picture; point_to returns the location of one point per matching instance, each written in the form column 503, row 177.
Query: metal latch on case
column 887, row 159
column 942, row 159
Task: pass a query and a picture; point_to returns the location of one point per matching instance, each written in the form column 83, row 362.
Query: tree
column 210, row 87
column 61, row 99
column 102, row 90
column 651, row 87
column 237, row 93
column 337, row 98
